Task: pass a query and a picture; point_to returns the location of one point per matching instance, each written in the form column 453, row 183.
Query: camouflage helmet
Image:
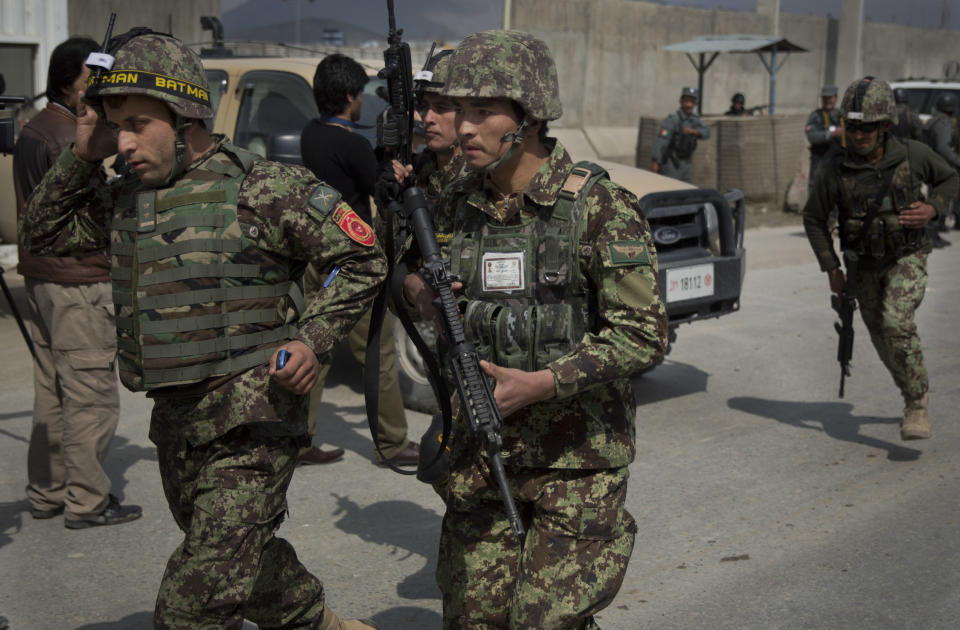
column 434, row 73
column 869, row 100
column 506, row 64
column 156, row 65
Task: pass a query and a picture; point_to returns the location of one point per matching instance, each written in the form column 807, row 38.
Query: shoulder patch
column 324, row 199
column 664, row 132
column 628, row 253
column 353, row 226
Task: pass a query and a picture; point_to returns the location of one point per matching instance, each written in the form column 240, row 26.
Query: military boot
column 915, row 425
column 332, row 622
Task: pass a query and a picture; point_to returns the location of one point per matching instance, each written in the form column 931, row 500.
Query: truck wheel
column 416, row 389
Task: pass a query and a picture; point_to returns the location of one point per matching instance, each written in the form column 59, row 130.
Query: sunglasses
column 869, row 127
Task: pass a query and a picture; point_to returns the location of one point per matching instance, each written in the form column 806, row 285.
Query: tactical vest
column 526, row 300
column 885, row 239
column 195, row 297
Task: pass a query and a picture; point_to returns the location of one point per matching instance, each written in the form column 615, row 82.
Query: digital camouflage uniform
column 226, row 241
column 675, row 162
column 567, row 458
column 891, row 274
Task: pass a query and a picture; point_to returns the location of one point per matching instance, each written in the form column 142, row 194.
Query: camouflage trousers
column 888, row 298
column 229, row 497
column 576, row 524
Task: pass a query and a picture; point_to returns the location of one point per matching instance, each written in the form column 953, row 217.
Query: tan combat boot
column 915, row 425
column 332, row 622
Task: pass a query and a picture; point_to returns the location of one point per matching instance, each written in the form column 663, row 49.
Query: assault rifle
column 477, row 403
column 845, row 304
column 395, row 126
column 478, row 406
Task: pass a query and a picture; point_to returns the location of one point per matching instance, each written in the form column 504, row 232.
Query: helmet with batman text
column 158, row 65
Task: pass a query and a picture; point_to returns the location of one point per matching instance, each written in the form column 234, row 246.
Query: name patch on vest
column 353, row 226
column 503, row 271
column 628, row 253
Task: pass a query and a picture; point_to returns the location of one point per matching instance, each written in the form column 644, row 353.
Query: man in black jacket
column 346, row 161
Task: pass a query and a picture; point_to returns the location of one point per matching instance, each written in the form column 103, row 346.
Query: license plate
column 686, row 283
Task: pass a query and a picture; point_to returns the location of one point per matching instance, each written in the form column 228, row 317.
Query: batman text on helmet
column 869, row 100
column 506, row 64
column 155, row 65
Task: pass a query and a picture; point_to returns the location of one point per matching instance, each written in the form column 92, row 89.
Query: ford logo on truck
column 666, row 236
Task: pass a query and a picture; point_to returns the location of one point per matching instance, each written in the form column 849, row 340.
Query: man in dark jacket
column 76, row 401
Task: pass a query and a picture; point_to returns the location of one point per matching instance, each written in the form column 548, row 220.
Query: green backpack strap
column 569, row 207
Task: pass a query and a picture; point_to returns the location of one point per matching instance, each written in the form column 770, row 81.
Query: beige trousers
column 391, row 419
column 76, row 402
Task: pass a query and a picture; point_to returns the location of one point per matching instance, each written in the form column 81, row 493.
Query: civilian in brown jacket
column 76, row 402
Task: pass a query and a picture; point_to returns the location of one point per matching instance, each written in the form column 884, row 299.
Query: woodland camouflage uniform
column 567, row 458
column 892, row 267
column 226, row 241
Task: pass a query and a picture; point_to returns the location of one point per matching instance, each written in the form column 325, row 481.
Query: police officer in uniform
column 824, row 131
column 677, row 139
column 877, row 186
column 208, row 244
column 573, row 251
column 941, row 134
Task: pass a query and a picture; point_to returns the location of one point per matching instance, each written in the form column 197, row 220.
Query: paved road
column 763, row 500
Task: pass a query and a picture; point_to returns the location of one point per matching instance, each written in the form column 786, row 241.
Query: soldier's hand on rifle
column 301, row 370
column 838, row 282
column 917, row 215
column 419, row 294
column 515, row 389
column 95, row 141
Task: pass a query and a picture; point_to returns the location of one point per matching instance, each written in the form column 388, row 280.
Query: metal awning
column 713, row 45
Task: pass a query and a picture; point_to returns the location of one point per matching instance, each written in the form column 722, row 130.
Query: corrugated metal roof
column 735, row 44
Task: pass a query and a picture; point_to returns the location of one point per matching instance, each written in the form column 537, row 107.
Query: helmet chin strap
column 515, row 138
column 181, row 125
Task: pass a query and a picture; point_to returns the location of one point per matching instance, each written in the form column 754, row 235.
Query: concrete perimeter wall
column 613, row 67
column 614, row 72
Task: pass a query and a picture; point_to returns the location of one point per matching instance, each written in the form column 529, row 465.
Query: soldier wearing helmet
column 877, row 185
column 737, row 105
column 441, row 163
column 824, row 130
column 677, row 139
column 909, row 125
column 542, row 244
column 208, row 244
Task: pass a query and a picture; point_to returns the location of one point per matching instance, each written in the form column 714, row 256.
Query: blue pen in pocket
column 333, row 274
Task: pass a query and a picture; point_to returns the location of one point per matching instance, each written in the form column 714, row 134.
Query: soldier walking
column 208, row 245
column 537, row 238
column 877, row 186
column 677, row 139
